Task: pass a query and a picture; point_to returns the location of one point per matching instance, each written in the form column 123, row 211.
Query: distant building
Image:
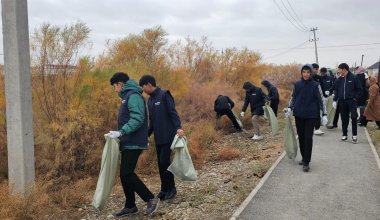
column 373, row 70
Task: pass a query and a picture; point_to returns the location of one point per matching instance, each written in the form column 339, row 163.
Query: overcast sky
column 256, row 24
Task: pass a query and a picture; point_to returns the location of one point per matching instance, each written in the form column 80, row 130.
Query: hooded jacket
column 272, row 91
column 255, row 97
column 307, row 98
column 223, row 103
column 132, row 118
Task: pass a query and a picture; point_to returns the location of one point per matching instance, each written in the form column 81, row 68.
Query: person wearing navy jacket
column 306, row 103
column 165, row 123
column 273, row 95
column 348, row 90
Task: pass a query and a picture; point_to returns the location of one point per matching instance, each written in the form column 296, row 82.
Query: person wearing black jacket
column 317, row 78
column 273, row 95
column 327, row 83
column 306, row 103
column 347, row 91
column 223, row 106
column 165, row 123
column 255, row 97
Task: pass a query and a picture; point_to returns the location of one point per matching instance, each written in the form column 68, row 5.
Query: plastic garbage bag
column 238, row 120
column 330, row 117
column 110, row 159
column 291, row 145
column 272, row 118
column 182, row 166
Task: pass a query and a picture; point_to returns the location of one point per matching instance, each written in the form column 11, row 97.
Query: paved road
column 343, row 183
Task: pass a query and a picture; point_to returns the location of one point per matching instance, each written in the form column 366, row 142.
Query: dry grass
column 227, row 153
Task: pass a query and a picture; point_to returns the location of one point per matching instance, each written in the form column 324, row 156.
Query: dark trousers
column 231, row 116
column 337, row 112
column 317, row 123
column 163, row 159
column 274, row 106
column 305, row 130
column 130, row 181
column 349, row 107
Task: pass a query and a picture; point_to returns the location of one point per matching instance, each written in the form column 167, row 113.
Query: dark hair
column 144, row 80
column 344, row 66
column 306, row 67
column 315, row 65
column 119, row 77
column 323, row 70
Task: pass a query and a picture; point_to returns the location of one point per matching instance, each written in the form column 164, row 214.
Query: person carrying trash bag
column 223, row 105
column 255, row 97
column 273, row 96
column 133, row 136
column 165, row 123
column 306, row 103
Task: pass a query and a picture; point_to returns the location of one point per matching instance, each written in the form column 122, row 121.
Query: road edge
column 372, row 147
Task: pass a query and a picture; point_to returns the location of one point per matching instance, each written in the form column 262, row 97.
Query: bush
column 228, row 153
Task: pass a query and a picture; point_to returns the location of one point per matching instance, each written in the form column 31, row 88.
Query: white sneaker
column 318, row 132
column 257, row 137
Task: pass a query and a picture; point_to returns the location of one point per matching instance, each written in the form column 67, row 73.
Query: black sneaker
column 306, row 168
column 171, row 194
column 152, row 206
column 126, row 211
column 161, row 195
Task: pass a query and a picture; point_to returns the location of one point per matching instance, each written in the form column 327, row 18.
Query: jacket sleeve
column 336, row 90
column 215, row 106
column 321, row 100
column 373, row 92
column 231, row 102
column 169, row 100
column 275, row 94
column 150, row 128
column 358, row 89
column 136, row 107
column 246, row 102
column 292, row 99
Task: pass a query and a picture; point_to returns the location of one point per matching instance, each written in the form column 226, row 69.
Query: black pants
column 231, row 116
column 305, row 130
column 337, row 112
column 349, row 107
column 317, row 123
column 130, row 181
column 163, row 159
column 274, row 106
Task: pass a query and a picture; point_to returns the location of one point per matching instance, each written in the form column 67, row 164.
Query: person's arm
column 292, row 99
column 336, row 88
column 246, row 102
column 136, row 107
column 169, row 100
column 321, row 100
column 358, row 89
column 231, row 102
column 150, row 128
column 373, row 92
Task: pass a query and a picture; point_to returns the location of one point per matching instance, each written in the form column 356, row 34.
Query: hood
column 266, row 83
column 248, row 85
column 360, row 70
column 130, row 85
column 311, row 71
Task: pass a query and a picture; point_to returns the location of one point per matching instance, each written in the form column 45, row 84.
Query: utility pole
column 18, row 94
column 361, row 63
column 315, row 43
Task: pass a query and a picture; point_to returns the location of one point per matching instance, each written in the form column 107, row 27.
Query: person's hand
column 242, row 114
column 114, row 134
column 180, row 132
column 327, row 93
column 324, row 120
column 334, row 104
column 288, row 112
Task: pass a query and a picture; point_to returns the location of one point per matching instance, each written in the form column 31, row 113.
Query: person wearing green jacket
column 133, row 136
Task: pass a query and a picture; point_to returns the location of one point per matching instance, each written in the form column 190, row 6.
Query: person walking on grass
column 273, row 95
column 254, row 97
column 306, row 103
column 165, row 123
column 223, row 105
column 347, row 91
column 133, row 136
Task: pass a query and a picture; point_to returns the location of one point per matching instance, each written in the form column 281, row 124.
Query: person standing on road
column 133, row 136
column 372, row 111
column 347, row 91
column 327, row 83
column 254, row 97
column 362, row 76
column 165, row 123
column 317, row 78
column 306, row 103
column 223, row 105
column 273, row 95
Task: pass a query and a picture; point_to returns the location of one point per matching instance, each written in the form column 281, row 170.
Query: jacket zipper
column 344, row 88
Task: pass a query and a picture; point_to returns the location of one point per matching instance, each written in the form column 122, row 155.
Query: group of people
column 133, row 133
column 256, row 99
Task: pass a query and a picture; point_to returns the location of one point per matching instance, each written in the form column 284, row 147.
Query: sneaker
column 257, row 137
column 306, row 168
column 126, row 211
column 318, row 132
column 331, row 126
column 344, row 138
column 161, row 195
column 300, row 163
column 152, row 206
column 354, row 139
column 171, row 194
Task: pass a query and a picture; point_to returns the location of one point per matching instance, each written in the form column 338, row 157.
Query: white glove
column 327, row 93
column 324, row 120
column 114, row 134
column 288, row 112
column 242, row 114
column 334, row 104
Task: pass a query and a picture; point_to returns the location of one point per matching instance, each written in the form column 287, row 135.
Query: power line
column 285, row 52
column 283, row 13
column 330, row 46
column 294, row 12
column 294, row 19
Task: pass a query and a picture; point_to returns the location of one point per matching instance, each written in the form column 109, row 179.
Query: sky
column 346, row 29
